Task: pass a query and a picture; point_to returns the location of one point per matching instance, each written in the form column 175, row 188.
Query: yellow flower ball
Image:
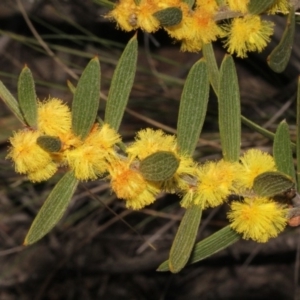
column 253, row 163
column 258, row 219
column 215, row 182
column 129, row 184
column 29, row 157
column 54, row 117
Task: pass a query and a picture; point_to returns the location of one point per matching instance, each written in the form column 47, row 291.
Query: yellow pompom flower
column 197, row 27
column 89, row 160
column 54, row 117
column 145, row 19
column 149, row 141
column 44, row 173
column 238, row 5
column 253, row 163
column 130, row 16
column 182, row 30
column 130, row 185
column 280, row 6
column 258, row 219
column 29, row 157
column 209, row 6
column 247, row 34
column 125, row 14
column 215, row 182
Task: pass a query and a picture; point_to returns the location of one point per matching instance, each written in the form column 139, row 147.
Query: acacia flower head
column 215, row 182
column 130, row 185
column 54, row 117
column 29, row 157
column 253, row 163
column 89, row 160
column 149, row 141
column 125, row 14
column 44, row 173
column 258, row 219
column 238, row 5
column 247, row 34
column 197, row 27
column 280, row 6
column 131, row 16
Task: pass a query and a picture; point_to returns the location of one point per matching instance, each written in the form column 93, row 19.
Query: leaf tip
column 95, row 58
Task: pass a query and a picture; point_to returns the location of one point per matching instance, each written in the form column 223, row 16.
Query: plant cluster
column 196, row 23
column 259, row 188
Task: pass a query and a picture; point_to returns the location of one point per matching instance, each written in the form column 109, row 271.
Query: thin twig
column 42, row 42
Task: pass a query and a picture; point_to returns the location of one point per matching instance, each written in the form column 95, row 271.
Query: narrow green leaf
column 159, row 166
column 270, row 184
column 86, row 99
column 298, row 137
column 266, row 133
column 282, row 151
column 184, row 241
column 193, row 107
column 49, row 143
column 53, row 208
column 27, row 97
column 212, row 66
column 121, row 85
column 229, row 110
column 11, row 102
column 279, row 57
column 214, row 243
column 209, row 246
column 257, row 7
column 71, row 87
column 108, row 4
column 169, row 16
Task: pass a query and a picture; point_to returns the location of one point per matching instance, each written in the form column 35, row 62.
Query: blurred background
column 100, row 250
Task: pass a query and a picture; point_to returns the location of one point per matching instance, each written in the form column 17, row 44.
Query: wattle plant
column 79, row 143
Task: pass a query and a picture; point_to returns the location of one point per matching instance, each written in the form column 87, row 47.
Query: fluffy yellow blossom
column 238, row 5
column 29, row 157
column 54, row 117
column 44, row 173
column 131, row 16
column 145, row 19
column 89, row 160
column 125, row 14
column 247, row 34
column 215, row 182
column 149, row 141
column 253, row 163
column 258, row 219
column 209, row 6
column 197, row 26
column 129, row 184
column 280, row 6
